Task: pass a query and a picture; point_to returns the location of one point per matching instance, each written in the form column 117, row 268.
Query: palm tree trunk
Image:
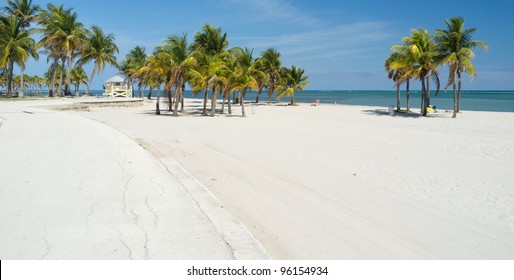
column 10, row 66
column 59, row 89
column 205, row 102
column 226, row 98
column 270, row 92
column 259, row 91
column 427, row 100
column 459, row 76
column 455, row 106
column 182, row 93
column 398, row 98
column 90, row 80
column 229, row 105
column 213, row 101
column 68, row 75
column 407, row 93
column 177, row 100
column 170, row 101
column 157, row 110
column 150, row 93
column 242, row 98
column 223, row 103
column 423, row 98
column 21, row 82
column 54, row 76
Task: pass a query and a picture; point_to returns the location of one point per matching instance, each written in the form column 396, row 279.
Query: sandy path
column 349, row 182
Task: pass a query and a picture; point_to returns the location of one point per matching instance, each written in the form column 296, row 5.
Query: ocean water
column 487, row 100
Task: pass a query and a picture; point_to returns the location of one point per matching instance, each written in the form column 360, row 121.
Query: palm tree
column 50, row 20
column 210, row 41
column 100, row 49
column 63, row 33
column 78, row 77
column 245, row 80
column 52, row 55
column 395, row 73
column 260, row 77
column 272, row 65
column 209, row 46
column 215, row 71
column 134, row 61
column 40, row 83
column 229, row 79
column 181, row 61
column 26, row 12
column 73, row 36
column 456, row 46
column 199, row 76
column 15, row 47
column 398, row 65
column 422, row 50
column 157, row 69
column 248, row 74
column 292, row 81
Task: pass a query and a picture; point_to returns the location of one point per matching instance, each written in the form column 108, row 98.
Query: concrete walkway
column 72, row 188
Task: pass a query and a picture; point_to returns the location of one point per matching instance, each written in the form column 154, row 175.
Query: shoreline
column 473, row 100
column 88, row 100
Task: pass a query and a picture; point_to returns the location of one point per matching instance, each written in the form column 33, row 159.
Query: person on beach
column 317, row 102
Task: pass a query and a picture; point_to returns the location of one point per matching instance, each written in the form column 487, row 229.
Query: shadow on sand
column 195, row 108
column 411, row 115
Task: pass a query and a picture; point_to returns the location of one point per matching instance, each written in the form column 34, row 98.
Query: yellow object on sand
column 430, row 110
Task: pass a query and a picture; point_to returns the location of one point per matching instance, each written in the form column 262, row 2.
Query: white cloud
column 329, row 43
column 276, row 10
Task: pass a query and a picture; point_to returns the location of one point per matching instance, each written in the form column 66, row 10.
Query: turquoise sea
column 483, row 100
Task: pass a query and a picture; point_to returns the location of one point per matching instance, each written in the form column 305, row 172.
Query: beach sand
column 346, row 182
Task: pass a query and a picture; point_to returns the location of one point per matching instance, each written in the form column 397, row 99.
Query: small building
column 117, row 86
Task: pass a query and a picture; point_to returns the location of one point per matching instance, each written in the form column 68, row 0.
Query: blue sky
column 341, row 44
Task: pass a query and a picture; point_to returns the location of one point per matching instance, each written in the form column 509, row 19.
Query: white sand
column 348, row 182
column 72, row 188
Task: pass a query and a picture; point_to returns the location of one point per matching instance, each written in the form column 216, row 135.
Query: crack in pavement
column 48, row 245
column 126, row 186
column 80, row 188
column 145, row 234
column 155, row 217
column 124, row 244
column 91, row 211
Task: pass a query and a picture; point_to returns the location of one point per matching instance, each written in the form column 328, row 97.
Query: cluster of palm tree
column 65, row 41
column 209, row 66
column 206, row 64
column 423, row 53
column 34, row 84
